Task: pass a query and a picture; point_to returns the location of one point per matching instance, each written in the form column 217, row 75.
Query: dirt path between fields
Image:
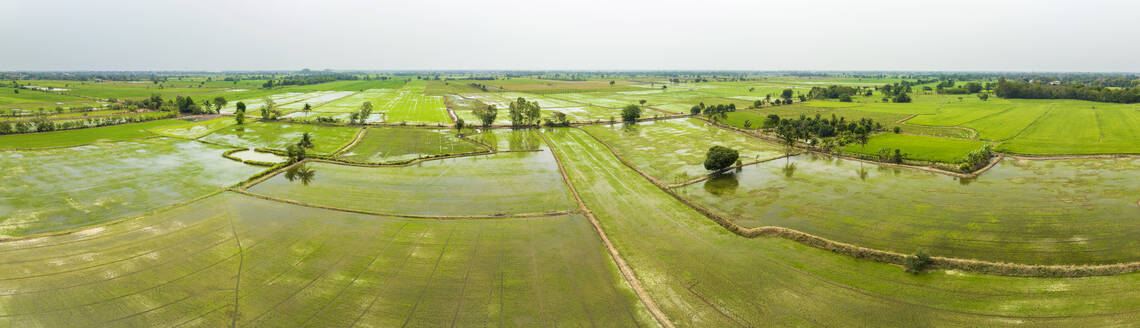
column 626, row 270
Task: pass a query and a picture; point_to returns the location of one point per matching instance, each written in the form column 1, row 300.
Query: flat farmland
column 411, row 105
column 705, row 276
column 1080, row 127
column 70, row 138
column 510, row 139
column 194, row 130
column 1039, row 212
column 396, row 144
column 917, row 147
column 54, row 189
column 237, row 260
column 277, row 135
column 499, row 184
column 674, row 150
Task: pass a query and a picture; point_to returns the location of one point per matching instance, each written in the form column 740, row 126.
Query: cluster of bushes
column 948, row 88
column 1038, row 90
column 896, row 92
column 977, row 159
column 478, row 86
column 713, row 111
column 843, row 93
column 819, row 127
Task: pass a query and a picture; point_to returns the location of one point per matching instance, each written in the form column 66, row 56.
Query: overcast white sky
column 1041, row 35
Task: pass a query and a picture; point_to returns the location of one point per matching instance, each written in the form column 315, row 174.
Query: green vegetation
column 69, row 138
column 287, row 265
column 915, row 147
column 194, row 130
column 705, row 276
column 449, row 187
column 396, row 144
column 275, row 135
column 53, row 189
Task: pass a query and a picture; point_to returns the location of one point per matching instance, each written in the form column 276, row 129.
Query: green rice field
column 395, row 144
column 277, row 135
column 71, row 138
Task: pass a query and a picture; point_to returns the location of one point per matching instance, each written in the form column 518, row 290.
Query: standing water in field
column 1045, row 212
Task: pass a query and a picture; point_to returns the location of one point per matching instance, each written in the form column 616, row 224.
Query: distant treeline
column 309, row 79
column 1044, row 90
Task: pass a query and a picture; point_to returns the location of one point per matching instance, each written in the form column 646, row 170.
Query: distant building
column 1055, row 83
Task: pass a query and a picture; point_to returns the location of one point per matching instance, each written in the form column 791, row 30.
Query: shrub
column 897, row 130
column 630, row 113
column 917, row 262
column 720, row 157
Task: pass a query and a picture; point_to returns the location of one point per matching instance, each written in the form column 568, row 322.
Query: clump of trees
column 832, row 92
column 630, row 113
column 269, row 110
column 1038, row 90
column 361, row 115
column 977, row 159
column 720, row 157
column 557, row 119
column 896, row 92
column 486, row 115
column 524, row 113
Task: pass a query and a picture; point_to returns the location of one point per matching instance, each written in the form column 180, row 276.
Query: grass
column 448, row 187
column 411, row 105
column 916, row 147
column 396, row 144
column 49, row 190
column 706, row 276
column 1079, row 127
column 287, row 265
column 277, row 135
column 68, row 138
column 674, row 150
column 1033, row 212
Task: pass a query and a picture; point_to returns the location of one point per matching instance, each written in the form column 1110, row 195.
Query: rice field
column 464, row 186
column 71, row 138
column 196, row 129
column 917, row 147
column 277, row 135
column 55, row 189
column 380, row 145
column 1041, row 212
column 237, row 260
column 704, row 276
column 673, row 151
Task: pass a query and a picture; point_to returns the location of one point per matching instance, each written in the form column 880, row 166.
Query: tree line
column 1038, row 90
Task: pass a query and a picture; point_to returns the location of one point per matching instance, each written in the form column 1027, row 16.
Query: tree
column 239, row 113
column 487, row 115
column 747, row 124
column 787, row 133
column 861, row 136
column 300, row 172
column 897, row 130
column 630, row 113
column 984, row 96
column 642, row 102
column 459, row 125
column 696, row 110
column 365, row 112
column 845, row 98
column 612, row 83
column 902, row 98
column 269, row 110
column 220, row 102
column 307, row 108
column 917, row 262
column 720, row 157
column 787, row 95
column 306, row 141
column 295, row 153
column 523, row 112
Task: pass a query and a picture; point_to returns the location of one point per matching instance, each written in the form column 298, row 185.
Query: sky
column 216, row 35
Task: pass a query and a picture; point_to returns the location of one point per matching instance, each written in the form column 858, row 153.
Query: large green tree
column 720, row 157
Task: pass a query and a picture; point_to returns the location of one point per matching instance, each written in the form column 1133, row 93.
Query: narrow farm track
column 626, row 271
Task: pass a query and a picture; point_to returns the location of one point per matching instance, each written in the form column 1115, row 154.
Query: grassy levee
column 55, row 189
column 299, row 266
column 703, row 275
column 501, row 184
column 78, row 137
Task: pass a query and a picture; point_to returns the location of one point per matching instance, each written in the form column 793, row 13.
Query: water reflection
column 863, row 173
column 722, row 184
column 303, row 173
column 789, row 169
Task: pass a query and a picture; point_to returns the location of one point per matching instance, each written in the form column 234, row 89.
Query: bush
column 719, row 157
column 917, row 262
column 630, row 113
column 897, row 130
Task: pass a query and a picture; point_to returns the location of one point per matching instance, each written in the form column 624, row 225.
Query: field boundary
column 721, row 171
column 359, row 135
column 623, row 267
column 100, row 141
column 890, row 257
column 407, row 216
